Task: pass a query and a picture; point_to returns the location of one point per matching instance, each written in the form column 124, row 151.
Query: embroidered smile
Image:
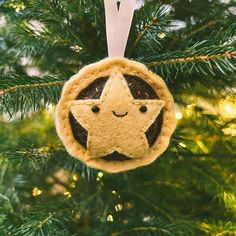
column 119, row 115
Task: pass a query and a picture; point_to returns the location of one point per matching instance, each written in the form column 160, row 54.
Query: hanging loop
column 118, row 23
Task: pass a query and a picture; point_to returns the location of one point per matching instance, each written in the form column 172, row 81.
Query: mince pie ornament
column 115, row 114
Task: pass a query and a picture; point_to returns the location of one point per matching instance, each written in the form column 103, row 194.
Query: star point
column 119, row 123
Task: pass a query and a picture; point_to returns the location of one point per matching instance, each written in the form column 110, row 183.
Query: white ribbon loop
column 118, row 23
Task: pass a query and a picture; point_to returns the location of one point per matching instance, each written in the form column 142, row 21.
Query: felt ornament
column 115, row 114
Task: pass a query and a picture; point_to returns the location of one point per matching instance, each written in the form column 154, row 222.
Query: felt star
column 116, row 121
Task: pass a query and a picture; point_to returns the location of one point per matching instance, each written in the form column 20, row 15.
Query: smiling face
column 119, row 115
column 111, row 123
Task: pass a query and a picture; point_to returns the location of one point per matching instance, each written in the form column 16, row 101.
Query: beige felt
column 107, row 132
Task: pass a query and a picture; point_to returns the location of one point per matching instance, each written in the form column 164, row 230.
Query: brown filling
column 139, row 89
column 116, row 156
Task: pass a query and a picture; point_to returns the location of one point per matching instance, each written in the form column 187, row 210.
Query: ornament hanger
column 116, row 128
column 118, row 23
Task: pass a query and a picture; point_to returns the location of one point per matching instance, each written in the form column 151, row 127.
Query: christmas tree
column 189, row 190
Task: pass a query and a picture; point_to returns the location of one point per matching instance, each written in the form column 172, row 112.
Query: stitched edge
column 126, row 70
column 104, row 67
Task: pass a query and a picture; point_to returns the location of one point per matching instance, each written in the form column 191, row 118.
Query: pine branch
column 29, row 86
column 192, row 184
column 5, row 205
column 156, row 208
column 149, row 20
column 49, row 222
column 25, row 93
column 211, row 56
column 61, row 15
column 142, row 33
column 183, row 228
column 188, row 35
column 34, row 158
column 228, row 55
column 203, row 27
column 208, row 88
column 220, row 228
column 216, row 185
column 45, row 221
column 29, row 156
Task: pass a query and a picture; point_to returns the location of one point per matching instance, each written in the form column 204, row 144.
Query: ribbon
column 118, row 23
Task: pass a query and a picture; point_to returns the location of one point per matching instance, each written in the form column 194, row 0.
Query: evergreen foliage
column 189, row 190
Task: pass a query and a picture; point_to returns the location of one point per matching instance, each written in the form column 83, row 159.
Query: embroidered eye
column 143, row 109
column 95, row 109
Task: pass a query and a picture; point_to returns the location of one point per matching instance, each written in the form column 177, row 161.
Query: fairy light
column 76, row 48
column 125, row 222
column 227, row 108
column 118, row 207
column 67, row 194
column 100, row 174
column 129, row 205
column 110, row 218
column 182, row 145
column 229, row 199
column 77, row 217
column 147, row 218
column 178, row 115
column 230, row 130
column 72, row 185
column 36, row 192
column 113, row 192
column 75, row 178
column 17, row 6
column 162, row 35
